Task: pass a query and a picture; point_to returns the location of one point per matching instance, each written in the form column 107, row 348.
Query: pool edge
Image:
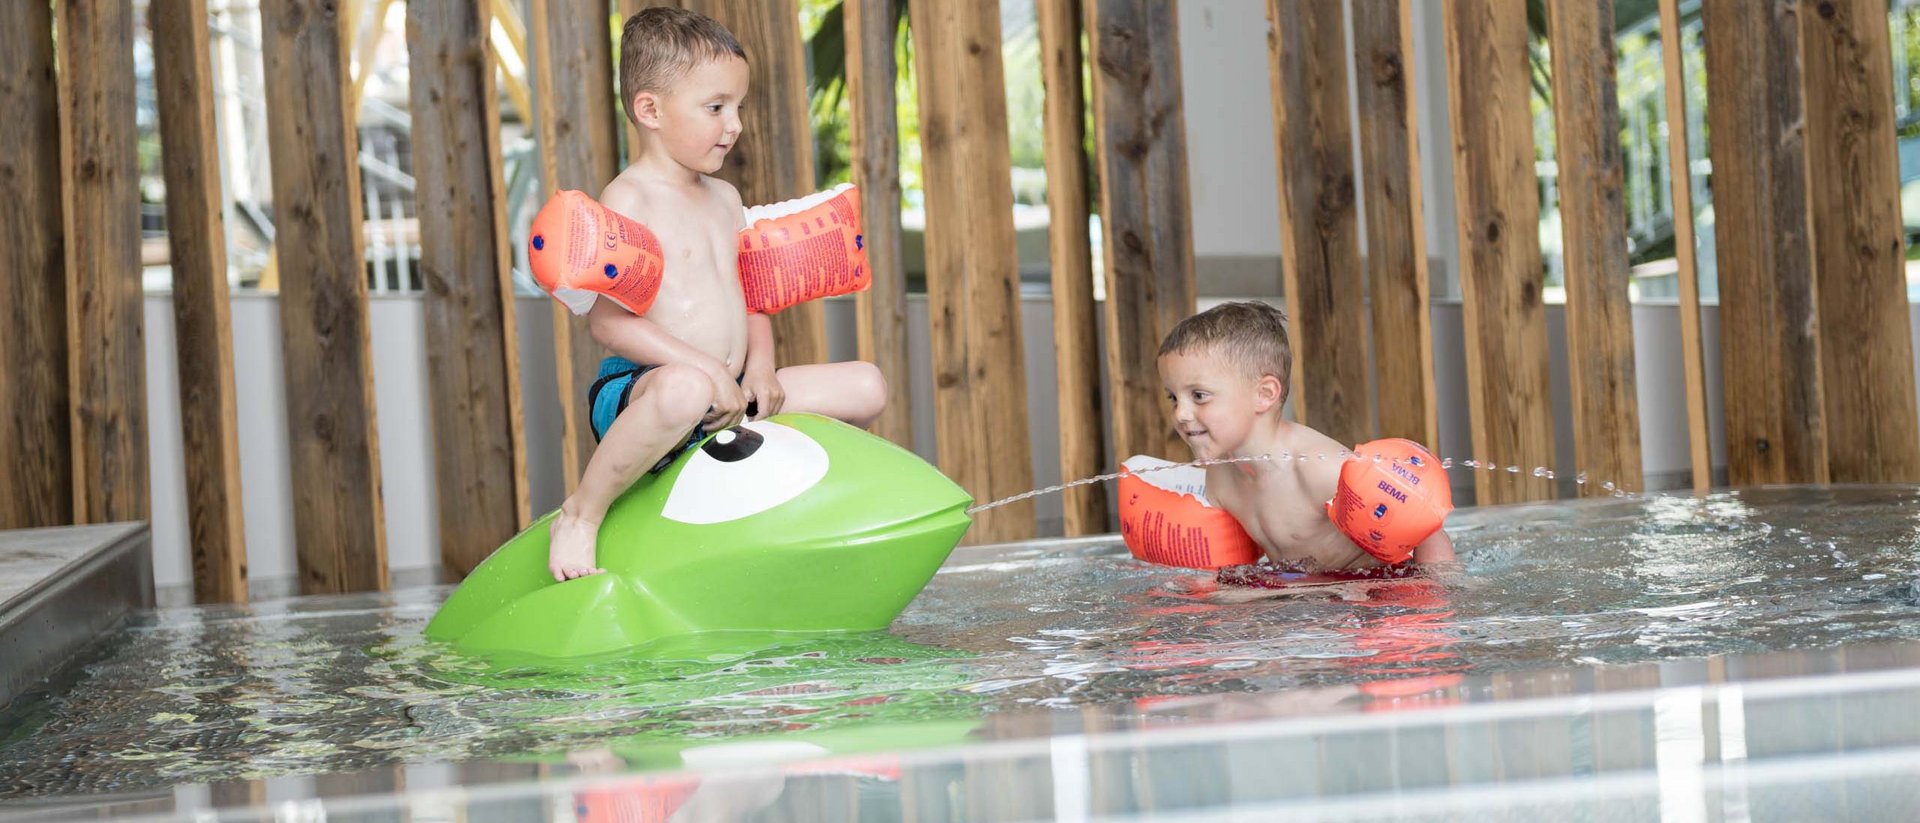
column 46, row 625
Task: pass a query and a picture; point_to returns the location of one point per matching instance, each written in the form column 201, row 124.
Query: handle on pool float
column 790, row 252
column 1391, row 496
column 1167, row 520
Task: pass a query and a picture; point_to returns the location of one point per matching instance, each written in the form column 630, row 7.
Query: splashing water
column 1542, row 472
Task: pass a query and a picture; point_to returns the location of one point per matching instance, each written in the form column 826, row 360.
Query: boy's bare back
column 700, row 301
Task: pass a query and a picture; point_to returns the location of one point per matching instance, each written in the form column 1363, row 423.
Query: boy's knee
column 871, row 387
column 678, row 395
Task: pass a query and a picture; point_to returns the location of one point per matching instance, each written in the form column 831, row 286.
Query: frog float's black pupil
column 733, row 445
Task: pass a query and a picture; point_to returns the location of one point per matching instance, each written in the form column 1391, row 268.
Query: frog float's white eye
column 744, row 471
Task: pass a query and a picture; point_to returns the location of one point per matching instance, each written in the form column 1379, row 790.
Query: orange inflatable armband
column 1392, row 495
column 800, row 250
column 580, row 250
column 1165, row 518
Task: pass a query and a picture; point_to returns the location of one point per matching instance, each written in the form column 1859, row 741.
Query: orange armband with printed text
column 804, row 249
column 1165, row 518
column 1391, row 496
column 580, row 250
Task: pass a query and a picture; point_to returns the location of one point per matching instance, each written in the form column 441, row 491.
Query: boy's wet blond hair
column 1250, row 335
column 660, row 44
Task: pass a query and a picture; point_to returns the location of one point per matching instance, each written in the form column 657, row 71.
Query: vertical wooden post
column 980, row 397
column 1769, row 335
column 105, row 327
column 880, row 312
column 1606, row 410
column 774, row 158
column 1083, row 450
column 36, row 488
column 573, row 80
column 1501, row 273
column 471, row 356
column 1859, row 267
column 1319, row 239
column 203, row 328
column 1396, row 236
column 1692, row 350
column 1146, row 227
column 334, row 442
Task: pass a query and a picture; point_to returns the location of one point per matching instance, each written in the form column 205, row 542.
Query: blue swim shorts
column 613, row 389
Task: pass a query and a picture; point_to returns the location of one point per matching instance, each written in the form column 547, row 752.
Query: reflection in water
column 347, row 684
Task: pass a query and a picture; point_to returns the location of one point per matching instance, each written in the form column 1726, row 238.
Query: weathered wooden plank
column 203, row 328
column 1500, row 278
column 36, row 489
column 1606, row 410
column 333, row 438
column 880, row 312
column 1859, row 243
column 773, row 159
column 573, row 79
column 461, row 267
column 1769, row 335
column 104, row 317
column 503, row 280
column 1083, row 449
column 1146, row 225
column 980, row 397
column 1396, row 240
column 1319, row 235
column 1692, row 349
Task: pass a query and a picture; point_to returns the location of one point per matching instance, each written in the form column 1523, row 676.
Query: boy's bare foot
column 571, row 550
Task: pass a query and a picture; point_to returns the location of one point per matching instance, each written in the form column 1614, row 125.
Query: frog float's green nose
column 796, row 523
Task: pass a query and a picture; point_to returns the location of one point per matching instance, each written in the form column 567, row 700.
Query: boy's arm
column 643, row 341
column 1437, row 548
column 759, row 343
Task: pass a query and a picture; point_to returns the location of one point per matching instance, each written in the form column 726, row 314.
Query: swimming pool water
column 337, row 684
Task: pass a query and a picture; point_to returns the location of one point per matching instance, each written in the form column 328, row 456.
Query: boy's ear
column 646, row 109
column 1269, row 393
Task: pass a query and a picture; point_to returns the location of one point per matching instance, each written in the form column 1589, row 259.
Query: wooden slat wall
column 1606, row 409
column 880, row 312
column 1319, row 240
column 36, row 487
column 980, row 396
column 472, row 364
column 1083, row 451
column 104, row 315
column 1501, row 275
column 203, row 329
column 1396, row 238
column 334, row 442
column 773, row 159
column 503, row 263
column 1859, row 267
column 1692, row 351
column 573, row 80
column 1769, row 340
column 1146, row 226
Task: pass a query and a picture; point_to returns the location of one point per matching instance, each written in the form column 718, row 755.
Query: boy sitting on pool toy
column 696, row 360
column 1227, row 370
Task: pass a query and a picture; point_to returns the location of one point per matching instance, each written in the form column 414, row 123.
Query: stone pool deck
column 61, row 589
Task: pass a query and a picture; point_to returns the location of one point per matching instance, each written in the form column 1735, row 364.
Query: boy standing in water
column 1226, row 370
column 697, row 361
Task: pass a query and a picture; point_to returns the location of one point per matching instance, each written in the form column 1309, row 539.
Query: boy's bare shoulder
column 627, row 196
column 728, row 196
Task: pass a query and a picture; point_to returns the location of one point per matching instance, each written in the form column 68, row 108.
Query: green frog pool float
column 795, row 523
